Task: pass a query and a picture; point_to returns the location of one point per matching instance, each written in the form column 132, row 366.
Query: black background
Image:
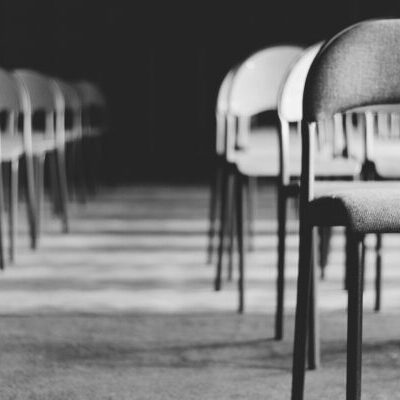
column 160, row 64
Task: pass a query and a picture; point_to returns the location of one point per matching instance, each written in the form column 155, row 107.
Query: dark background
column 160, row 64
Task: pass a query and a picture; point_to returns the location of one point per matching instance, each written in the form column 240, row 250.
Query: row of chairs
column 53, row 127
column 333, row 149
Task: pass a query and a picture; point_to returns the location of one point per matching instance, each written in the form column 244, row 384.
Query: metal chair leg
column 251, row 210
column 280, row 283
column 214, row 193
column 2, row 261
column 232, row 229
column 302, row 309
column 63, row 187
column 313, row 342
column 239, row 234
column 222, row 227
column 325, row 234
column 354, row 322
column 13, row 208
column 30, row 200
column 378, row 276
column 39, row 159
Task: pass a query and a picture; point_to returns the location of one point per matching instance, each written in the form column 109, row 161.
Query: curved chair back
column 10, row 100
column 67, row 99
column 256, row 83
column 38, row 96
column 290, row 98
column 357, row 70
column 94, row 106
column 221, row 111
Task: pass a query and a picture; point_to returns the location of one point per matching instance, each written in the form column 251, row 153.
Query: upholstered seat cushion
column 42, row 143
column 267, row 165
column 364, row 207
column 12, row 147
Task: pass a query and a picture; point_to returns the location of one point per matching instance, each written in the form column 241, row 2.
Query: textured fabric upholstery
column 358, row 67
column 364, row 207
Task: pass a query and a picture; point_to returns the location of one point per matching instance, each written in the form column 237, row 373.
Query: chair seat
column 42, row 143
column 12, row 147
column 72, row 135
column 364, row 207
column 267, row 165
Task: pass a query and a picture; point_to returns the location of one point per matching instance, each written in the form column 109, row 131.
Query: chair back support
column 38, row 91
column 256, row 83
column 222, row 110
column 358, row 71
column 10, row 100
column 290, row 98
column 358, row 67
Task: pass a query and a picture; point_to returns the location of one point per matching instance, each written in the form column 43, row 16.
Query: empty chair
column 94, row 125
column 335, row 86
column 14, row 147
column 328, row 167
column 218, row 192
column 40, row 101
column 254, row 89
column 69, row 126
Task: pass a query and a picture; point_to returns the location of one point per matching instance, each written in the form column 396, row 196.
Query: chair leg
column 325, row 234
column 214, row 192
column 280, row 284
column 239, row 234
column 222, row 227
column 63, row 187
column 302, row 309
column 232, row 229
column 354, row 322
column 251, row 210
column 313, row 342
column 2, row 260
column 378, row 276
column 13, row 208
column 40, row 160
column 30, row 200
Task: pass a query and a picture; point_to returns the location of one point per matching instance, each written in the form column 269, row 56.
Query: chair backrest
column 38, row 91
column 10, row 99
column 290, row 98
column 94, row 106
column 256, row 83
column 358, row 69
column 221, row 111
column 67, row 100
column 91, row 95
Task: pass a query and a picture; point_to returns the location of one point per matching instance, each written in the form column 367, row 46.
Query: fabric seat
column 267, row 165
column 11, row 147
column 364, row 207
column 42, row 143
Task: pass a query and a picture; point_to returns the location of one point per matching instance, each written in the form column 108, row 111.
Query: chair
column 218, row 192
column 13, row 148
column 94, row 126
column 357, row 69
column 254, row 89
column 47, row 142
column 290, row 116
column 69, row 126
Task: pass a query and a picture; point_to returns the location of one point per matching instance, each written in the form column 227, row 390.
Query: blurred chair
column 69, row 126
column 249, row 153
column 329, row 166
column 356, row 71
column 40, row 109
column 94, row 125
column 14, row 147
column 218, row 196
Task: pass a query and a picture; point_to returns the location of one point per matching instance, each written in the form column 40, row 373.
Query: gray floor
column 123, row 308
